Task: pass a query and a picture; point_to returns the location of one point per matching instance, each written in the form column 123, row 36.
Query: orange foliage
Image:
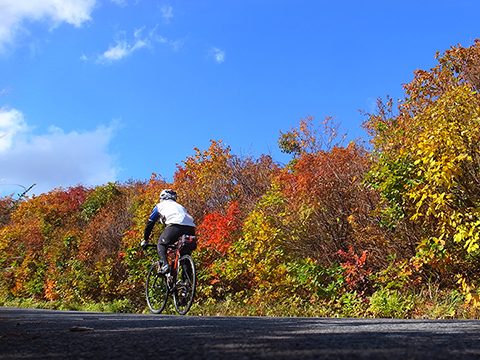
column 205, row 180
column 324, row 192
column 50, row 293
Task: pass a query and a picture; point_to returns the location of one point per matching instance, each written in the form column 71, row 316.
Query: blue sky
column 93, row 91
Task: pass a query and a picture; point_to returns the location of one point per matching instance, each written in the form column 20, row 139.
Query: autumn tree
column 426, row 153
column 220, row 188
column 324, row 189
column 109, row 215
column 67, row 245
column 306, row 139
column 6, row 208
column 325, row 192
column 40, row 244
column 316, row 207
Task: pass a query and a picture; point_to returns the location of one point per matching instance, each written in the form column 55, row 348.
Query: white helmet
column 168, row 194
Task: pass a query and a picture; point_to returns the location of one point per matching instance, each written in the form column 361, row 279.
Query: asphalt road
column 49, row 334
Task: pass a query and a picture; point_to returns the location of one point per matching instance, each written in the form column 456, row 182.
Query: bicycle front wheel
column 185, row 286
column 156, row 290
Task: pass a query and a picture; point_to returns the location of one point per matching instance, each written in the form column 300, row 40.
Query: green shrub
column 388, row 303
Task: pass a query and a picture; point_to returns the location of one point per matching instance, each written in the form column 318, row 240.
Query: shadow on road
column 49, row 334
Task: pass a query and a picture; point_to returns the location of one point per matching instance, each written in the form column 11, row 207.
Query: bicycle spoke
column 185, row 286
column 156, row 290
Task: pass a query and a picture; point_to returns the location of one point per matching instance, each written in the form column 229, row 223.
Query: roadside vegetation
column 388, row 228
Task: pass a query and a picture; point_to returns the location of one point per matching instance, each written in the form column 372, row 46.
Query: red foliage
column 65, row 200
column 216, row 229
column 323, row 174
column 355, row 273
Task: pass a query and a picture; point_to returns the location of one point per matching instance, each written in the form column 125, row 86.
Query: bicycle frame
column 172, row 254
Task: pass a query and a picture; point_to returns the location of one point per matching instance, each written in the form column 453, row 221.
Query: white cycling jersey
column 174, row 213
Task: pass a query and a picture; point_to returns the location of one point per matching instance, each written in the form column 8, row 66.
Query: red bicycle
column 181, row 280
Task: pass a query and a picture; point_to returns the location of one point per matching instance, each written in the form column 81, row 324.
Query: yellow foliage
column 468, row 290
column 445, row 149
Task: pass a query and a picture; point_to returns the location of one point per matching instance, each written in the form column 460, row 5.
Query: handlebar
column 170, row 247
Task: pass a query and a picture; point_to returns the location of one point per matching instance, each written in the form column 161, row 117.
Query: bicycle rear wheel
column 156, row 290
column 185, row 286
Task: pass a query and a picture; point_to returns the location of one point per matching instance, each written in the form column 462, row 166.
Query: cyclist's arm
column 154, row 216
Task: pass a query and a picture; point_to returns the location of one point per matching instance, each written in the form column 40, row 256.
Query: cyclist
column 177, row 223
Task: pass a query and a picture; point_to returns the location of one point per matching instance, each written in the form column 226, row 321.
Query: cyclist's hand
column 144, row 244
column 163, row 219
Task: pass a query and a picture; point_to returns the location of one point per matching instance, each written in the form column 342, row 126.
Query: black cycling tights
column 171, row 235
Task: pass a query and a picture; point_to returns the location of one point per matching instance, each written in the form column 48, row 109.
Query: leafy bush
column 388, row 303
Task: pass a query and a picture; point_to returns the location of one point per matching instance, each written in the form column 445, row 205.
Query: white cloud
column 11, row 125
column 56, row 158
column 5, row 91
column 139, row 42
column 167, row 12
column 117, row 52
column 120, row 3
column 14, row 13
column 218, row 55
column 123, row 48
